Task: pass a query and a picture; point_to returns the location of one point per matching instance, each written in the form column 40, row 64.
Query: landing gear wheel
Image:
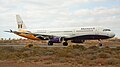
column 65, row 43
column 100, row 44
column 50, row 43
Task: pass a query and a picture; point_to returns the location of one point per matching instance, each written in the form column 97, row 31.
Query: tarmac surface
column 45, row 45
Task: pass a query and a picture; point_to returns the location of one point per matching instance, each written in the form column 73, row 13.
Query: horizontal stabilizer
column 9, row 31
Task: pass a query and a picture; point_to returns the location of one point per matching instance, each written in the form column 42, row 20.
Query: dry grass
column 92, row 56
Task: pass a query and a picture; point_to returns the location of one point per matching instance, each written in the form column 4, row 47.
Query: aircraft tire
column 100, row 44
column 65, row 43
column 50, row 43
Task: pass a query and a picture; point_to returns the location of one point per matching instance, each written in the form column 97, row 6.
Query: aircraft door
column 73, row 32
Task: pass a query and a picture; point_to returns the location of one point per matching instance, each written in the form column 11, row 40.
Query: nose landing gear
column 100, row 43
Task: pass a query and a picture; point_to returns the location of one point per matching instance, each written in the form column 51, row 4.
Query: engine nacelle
column 77, row 41
column 56, row 40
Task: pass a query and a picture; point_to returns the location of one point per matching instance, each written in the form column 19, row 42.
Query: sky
column 59, row 13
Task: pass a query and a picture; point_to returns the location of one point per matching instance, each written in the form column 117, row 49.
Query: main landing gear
column 65, row 43
column 50, row 43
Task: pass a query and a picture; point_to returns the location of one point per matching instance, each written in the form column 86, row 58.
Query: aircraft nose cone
column 113, row 34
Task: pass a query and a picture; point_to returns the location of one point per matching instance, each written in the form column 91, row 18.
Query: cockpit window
column 106, row 30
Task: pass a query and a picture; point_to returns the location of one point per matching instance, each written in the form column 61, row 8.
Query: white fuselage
column 76, row 31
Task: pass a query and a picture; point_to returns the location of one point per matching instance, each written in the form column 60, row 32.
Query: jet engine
column 56, row 40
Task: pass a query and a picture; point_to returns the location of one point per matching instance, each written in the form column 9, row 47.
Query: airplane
column 62, row 35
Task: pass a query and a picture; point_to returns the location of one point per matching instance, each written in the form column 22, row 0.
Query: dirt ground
column 39, row 64
column 69, row 57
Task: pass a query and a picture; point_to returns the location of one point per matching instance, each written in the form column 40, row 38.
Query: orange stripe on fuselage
column 29, row 36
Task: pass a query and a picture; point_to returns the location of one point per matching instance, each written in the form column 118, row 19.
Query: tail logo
column 19, row 26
